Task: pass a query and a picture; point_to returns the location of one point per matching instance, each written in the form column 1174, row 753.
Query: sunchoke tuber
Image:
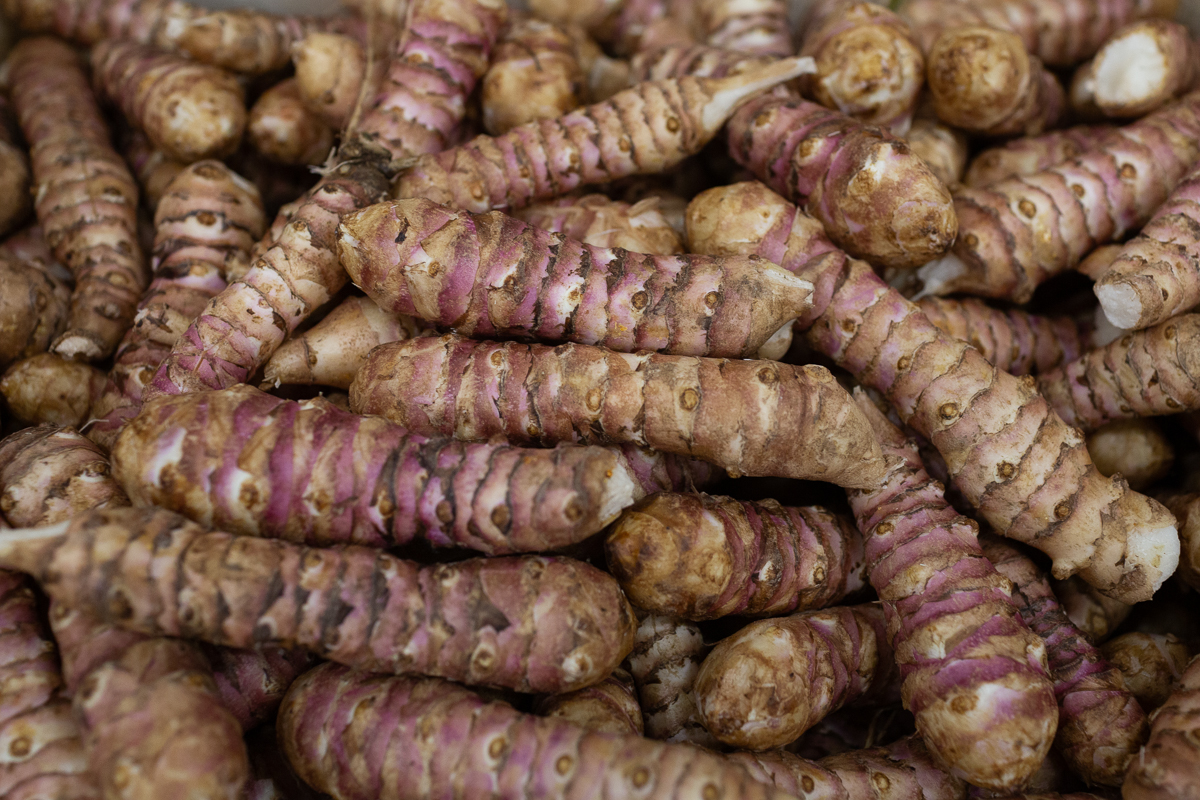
column 49, row 474
column 666, row 657
column 47, row 389
column 1150, row 663
column 1137, row 449
column 596, row 220
column 610, row 706
column 1166, row 767
column 1142, row 66
column 534, row 74
column 282, row 128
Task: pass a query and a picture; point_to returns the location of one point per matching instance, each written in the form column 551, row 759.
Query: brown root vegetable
column 1095, row 615
column 942, row 148
column 603, row 76
column 246, row 40
column 869, row 64
column 755, row 27
column 1097, row 262
column 330, row 68
column 701, row 557
column 596, row 220
column 1027, row 155
column 15, row 200
column 534, row 74
column 190, row 111
column 86, row 199
column 33, row 309
column 1145, row 64
column 983, row 80
column 252, row 683
column 1134, row 448
column 1150, row 664
column 483, row 620
column 331, row 352
column 49, row 474
column 771, row 681
column 610, row 706
column 48, row 389
column 153, row 168
column 666, row 657
column 1186, row 508
column 1166, row 767
column 282, row 128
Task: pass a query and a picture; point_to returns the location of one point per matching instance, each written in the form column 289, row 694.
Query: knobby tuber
column 1028, row 155
column 33, row 308
column 1186, row 508
column 610, row 706
column 756, row 27
column 330, row 69
column 534, row 74
column 943, row 149
column 48, row 474
column 1095, row 615
column 282, row 128
column 1135, row 448
column 1166, row 767
column 153, row 168
column 596, row 220
column 1144, row 65
column 1150, row 663
column 665, row 659
column 47, row 389
column 14, row 172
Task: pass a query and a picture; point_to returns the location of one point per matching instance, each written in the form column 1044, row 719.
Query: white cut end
column 620, row 492
column 1120, row 304
column 775, row 348
column 1130, row 70
column 1105, row 332
column 1156, row 550
column 937, row 275
column 744, row 85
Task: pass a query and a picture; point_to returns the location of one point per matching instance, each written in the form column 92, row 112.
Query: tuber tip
column 1120, row 302
column 727, row 94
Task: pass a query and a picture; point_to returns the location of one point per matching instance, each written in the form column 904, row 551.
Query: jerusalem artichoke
column 1033, row 481
column 190, row 111
column 596, row 220
column 204, row 227
column 1166, row 767
column 252, row 683
column 33, row 309
column 975, row 677
column 49, row 474
column 1135, row 448
column 491, row 275
column 666, row 657
column 330, row 68
column 282, row 128
column 1150, row 663
column 648, row 128
column 534, row 74
column 1101, row 726
column 153, row 168
column 1032, row 154
column 331, row 352
column 774, row 679
column 610, row 706
column 1095, row 615
column 534, row 624
column 755, row 27
column 942, row 148
column 47, row 389
column 86, row 200
column 1019, row 232
column 1186, row 508
column 14, row 172
column 1142, row 66
column 700, row 557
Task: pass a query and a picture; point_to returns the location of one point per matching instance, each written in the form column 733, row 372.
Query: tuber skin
column 47, row 389
column 33, row 308
column 771, row 681
column 869, row 63
column 48, row 474
column 755, row 27
column 207, row 221
column 248, row 41
column 643, row 130
column 470, row 621
column 534, row 74
column 190, row 111
column 1095, row 615
column 943, row 149
column 422, row 97
column 1028, row 155
column 748, row 417
column 596, row 220
column 1166, row 768
column 1142, row 66
column 1156, row 275
column 331, row 352
column 1015, row 341
column 666, row 656
column 610, row 706
column 1035, row 483
column 153, row 168
column 1101, row 726
column 1186, row 508
column 14, row 172
column 1145, row 373
column 1134, row 448
column 252, row 683
column 253, row 464
column 983, row 80
column 645, row 25
column 490, row 275
column 975, row 677
column 701, row 557
column 330, row 68
column 284, row 130
column 85, row 198
column 1019, row 232
column 1150, row 663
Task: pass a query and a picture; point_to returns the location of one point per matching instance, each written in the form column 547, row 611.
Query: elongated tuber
column 1033, row 481
column 153, row 168
column 774, row 679
column 665, row 659
column 1019, row 232
column 596, row 220
column 204, row 227
column 48, row 474
column 646, row 129
column 1166, row 767
column 1101, row 726
column 33, row 309
column 480, row 621
column 971, row 667
column 86, row 199
column 492, row 275
column 330, row 68
column 331, row 352
column 534, row 74
column 756, row 27
column 47, row 389
column 332, row 713
column 610, row 706
column 314, row 473
column 1135, row 448
column 191, row 111
column 14, row 172
column 1028, row 155
column 869, row 64
column 941, row 147
column 1095, row 615
column 282, row 128
column 700, row 557
column 1144, row 65
column 1150, row 663
column 1144, row 373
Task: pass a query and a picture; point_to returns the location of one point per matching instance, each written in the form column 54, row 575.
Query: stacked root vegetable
column 610, row 399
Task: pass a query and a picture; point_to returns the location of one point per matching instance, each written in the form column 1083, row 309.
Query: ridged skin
column 1166, row 767
column 48, row 474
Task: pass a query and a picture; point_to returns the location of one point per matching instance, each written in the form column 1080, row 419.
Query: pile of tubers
column 614, row 399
